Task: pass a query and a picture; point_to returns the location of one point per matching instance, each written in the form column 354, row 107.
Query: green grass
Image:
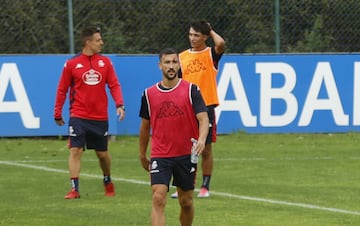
column 268, row 179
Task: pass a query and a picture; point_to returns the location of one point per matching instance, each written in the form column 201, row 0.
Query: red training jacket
column 87, row 77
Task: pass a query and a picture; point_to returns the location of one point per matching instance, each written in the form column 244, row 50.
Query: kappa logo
column 79, row 66
column 169, row 109
column 194, row 66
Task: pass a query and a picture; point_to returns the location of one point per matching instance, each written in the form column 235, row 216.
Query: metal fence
column 146, row 26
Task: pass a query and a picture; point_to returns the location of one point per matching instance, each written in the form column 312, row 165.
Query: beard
column 171, row 74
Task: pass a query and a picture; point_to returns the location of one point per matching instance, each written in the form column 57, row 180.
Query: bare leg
column 207, row 160
column 158, row 204
column 187, row 207
column 104, row 161
column 74, row 161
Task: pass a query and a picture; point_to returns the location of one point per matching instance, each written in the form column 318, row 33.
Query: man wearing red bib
column 172, row 113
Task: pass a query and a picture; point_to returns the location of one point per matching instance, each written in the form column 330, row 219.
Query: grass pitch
column 268, row 179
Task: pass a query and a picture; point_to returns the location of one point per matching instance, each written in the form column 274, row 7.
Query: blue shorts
column 182, row 170
column 91, row 134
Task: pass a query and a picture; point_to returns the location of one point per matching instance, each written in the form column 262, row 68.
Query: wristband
column 122, row 107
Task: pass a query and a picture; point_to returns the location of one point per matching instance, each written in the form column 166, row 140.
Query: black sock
column 75, row 183
column 107, row 179
column 206, row 182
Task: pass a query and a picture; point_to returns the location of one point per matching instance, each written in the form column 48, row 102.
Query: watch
column 122, row 106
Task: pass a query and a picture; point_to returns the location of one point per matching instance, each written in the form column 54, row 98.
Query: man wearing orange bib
column 199, row 65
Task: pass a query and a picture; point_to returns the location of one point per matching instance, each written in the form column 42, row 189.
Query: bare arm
column 218, row 41
column 203, row 119
column 144, row 137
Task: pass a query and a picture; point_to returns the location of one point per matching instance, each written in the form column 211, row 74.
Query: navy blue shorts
column 91, row 134
column 182, row 170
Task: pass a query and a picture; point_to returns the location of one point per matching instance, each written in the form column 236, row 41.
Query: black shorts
column 182, row 170
column 211, row 137
column 91, row 134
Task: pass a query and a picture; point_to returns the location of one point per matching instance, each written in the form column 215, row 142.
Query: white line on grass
column 44, row 168
column 313, row 158
column 229, row 195
column 308, row 206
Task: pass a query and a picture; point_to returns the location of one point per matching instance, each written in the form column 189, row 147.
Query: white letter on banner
column 356, row 99
column 9, row 74
column 231, row 76
column 267, row 93
column 324, row 73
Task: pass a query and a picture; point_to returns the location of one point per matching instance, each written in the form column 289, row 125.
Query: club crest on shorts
column 154, row 165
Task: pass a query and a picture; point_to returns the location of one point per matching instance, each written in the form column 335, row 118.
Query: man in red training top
column 86, row 75
column 172, row 112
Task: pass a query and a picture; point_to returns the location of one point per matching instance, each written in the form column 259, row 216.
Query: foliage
column 314, row 40
column 145, row 26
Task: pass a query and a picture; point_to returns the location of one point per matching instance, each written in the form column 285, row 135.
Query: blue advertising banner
column 258, row 93
column 289, row 93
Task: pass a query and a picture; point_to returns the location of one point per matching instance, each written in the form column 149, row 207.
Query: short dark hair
column 201, row 26
column 167, row 51
column 88, row 32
